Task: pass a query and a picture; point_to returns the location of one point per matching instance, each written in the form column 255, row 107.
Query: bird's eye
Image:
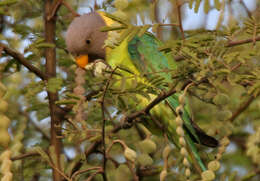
column 88, row 41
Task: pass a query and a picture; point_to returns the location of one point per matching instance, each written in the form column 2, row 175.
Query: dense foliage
column 222, row 64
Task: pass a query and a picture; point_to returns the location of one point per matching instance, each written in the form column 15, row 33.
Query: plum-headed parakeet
column 142, row 58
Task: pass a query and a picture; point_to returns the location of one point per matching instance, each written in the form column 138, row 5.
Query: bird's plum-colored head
column 84, row 37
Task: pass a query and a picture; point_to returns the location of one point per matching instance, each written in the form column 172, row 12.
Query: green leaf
column 42, row 153
column 54, row 84
column 45, row 45
column 217, row 4
column 119, row 20
column 112, row 28
column 197, row 5
column 8, row 2
column 191, row 3
column 66, row 102
column 206, row 6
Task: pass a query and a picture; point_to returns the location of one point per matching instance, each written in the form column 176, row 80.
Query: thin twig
column 131, row 168
column 56, row 7
column 104, row 124
column 240, row 42
column 178, row 6
column 249, row 14
column 169, row 24
column 1, row 50
column 93, row 175
column 70, row 8
column 20, row 58
column 83, row 171
column 25, row 155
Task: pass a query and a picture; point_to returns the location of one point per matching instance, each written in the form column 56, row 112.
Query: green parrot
column 141, row 57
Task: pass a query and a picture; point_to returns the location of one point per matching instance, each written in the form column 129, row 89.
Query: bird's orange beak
column 82, row 60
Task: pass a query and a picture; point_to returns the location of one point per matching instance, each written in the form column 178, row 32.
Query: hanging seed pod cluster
column 5, row 157
column 214, row 165
column 180, row 132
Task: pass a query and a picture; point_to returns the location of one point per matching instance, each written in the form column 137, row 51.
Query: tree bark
column 50, row 56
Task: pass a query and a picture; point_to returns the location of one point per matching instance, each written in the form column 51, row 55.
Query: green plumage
column 140, row 55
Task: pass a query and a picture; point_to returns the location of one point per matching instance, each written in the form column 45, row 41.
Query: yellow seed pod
column 4, row 121
column 148, row 146
column 180, row 131
column 166, row 152
column 179, row 110
column 208, row 175
column 222, row 149
column 5, row 154
column 182, row 141
column 214, row 165
column 218, row 156
column 225, row 141
column 6, row 166
column 7, row 177
column 163, row 175
column 182, row 99
column 17, row 146
column 130, row 154
column 179, row 121
column 144, row 160
column 4, row 138
column 187, row 172
column 3, row 106
column 2, row 90
column 184, row 152
column 185, row 162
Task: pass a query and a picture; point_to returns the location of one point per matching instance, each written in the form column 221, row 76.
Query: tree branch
column 20, row 58
column 50, row 56
column 243, row 107
column 240, row 42
column 25, row 155
column 56, row 7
